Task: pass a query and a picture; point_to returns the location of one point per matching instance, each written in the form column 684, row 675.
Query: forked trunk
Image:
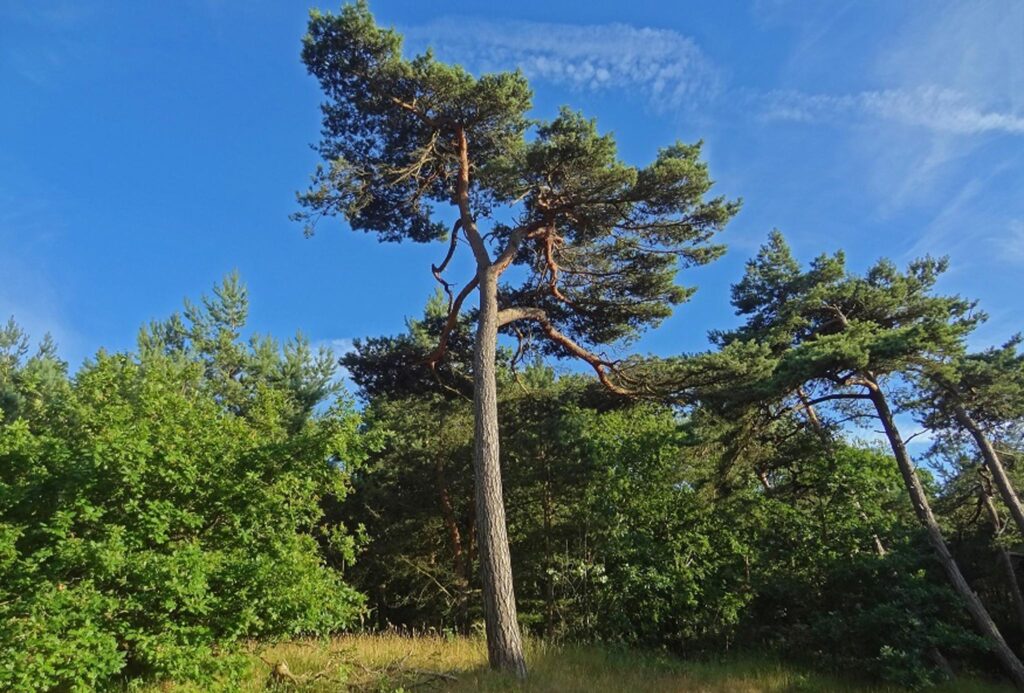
column 995, row 467
column 504, row 643
column 923, row 510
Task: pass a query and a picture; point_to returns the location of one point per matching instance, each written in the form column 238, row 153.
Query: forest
column 828, row 493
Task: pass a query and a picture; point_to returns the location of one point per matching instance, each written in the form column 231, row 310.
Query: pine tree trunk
column 1012, row 584
column 923, row 510
column 504, row 643
column 995, row 467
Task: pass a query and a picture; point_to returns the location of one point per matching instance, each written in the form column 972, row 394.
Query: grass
column 391, row 662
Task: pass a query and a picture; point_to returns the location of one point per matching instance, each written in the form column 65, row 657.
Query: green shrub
column 149, row 522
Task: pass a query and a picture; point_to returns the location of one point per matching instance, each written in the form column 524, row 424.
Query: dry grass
column 392, row 662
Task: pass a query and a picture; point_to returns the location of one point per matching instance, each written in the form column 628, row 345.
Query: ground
column 396, row 663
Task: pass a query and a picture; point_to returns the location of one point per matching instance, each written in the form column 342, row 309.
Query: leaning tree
column 418, row 149
column 979, row 394
column 843, row 338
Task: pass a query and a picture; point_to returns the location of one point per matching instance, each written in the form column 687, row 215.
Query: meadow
column 395, row 663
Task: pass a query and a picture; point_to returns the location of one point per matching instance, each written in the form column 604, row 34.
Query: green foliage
column 414, row 496
column 886, row 618
column 826, row 324
column 624, row 529
column 823, row 594
column 663, row 566
column 989, row 385
column 158, row 508
column 599, row 241
column 830, row 340
column 236, row 370
column 388, row 123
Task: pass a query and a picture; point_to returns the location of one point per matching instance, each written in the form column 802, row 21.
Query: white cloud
column 665, row 67
column 975, row 47
column 339, row 345
column 918, row 103
column 934, row 109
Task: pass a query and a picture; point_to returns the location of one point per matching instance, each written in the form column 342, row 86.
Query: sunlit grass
column 391, row 662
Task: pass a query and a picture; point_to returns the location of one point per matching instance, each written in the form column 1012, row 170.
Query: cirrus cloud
column 931, row 108
column 666, row 67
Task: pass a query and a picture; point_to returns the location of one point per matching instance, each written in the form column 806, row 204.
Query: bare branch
column 441, row 349
column 412, row 108
column 839, row 395
column 439, row 269
column 601, row 366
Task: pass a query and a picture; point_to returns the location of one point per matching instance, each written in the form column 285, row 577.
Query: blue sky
column 146, row 149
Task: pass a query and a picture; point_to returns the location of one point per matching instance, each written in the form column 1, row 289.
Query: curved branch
column 439, row 269
column 550, row 241
column 415, row 110
column 809, row 404
column 600, row 365
column 441, row 349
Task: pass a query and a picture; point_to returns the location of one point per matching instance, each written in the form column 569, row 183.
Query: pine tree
column 978, row 394
column 598, row 242
column 847, row 338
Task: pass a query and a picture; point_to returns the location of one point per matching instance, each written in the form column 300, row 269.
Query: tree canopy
column 599, row 241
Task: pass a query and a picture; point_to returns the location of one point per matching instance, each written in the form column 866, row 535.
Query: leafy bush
column 148, row 522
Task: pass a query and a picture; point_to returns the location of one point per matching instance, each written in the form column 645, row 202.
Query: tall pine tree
column 598, row 241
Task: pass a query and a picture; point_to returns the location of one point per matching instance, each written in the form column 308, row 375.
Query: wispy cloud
column 1009, row 246
column 43, row 38
column 945, row 230
column 931, row 108
column 666, row 68
column 340, row 346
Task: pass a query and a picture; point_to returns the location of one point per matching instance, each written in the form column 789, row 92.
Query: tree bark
column 504, row 642
column 995, row 467
column 923, row 510
column 1004, row 556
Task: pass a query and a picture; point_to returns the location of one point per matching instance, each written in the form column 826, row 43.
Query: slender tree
column 977, row 394
column 844, row 338
column 597, row 242
column 1005, row 560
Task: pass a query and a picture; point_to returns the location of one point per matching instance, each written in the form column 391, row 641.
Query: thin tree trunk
column 1004, row 556
column 826, row 440
column 504, row 643
column 450, row 523
column 459, row 567
column 942, row 663
column 549, row 584
column 923, row 510
column 995, row 467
